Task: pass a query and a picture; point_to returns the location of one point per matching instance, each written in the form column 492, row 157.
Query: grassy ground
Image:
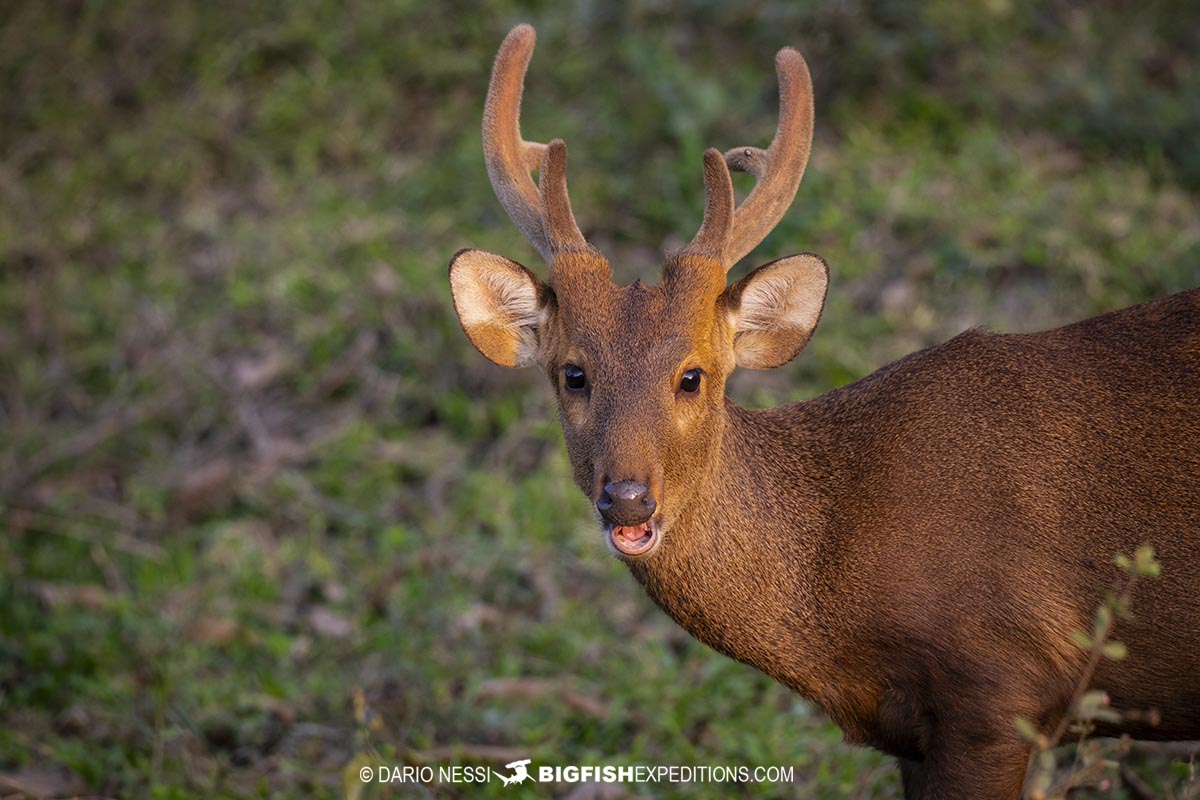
column 265, row 512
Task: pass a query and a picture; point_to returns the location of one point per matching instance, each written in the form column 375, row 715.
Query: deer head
column 640, row 371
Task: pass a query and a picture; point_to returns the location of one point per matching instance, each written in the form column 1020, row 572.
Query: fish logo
column 519, row 772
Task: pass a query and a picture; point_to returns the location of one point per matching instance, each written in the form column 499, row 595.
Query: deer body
column 911, row 552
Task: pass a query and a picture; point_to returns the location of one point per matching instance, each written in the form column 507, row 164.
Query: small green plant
column 1093, row 760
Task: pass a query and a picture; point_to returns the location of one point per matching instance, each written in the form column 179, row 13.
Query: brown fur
column 923, row 542
column 910, row 552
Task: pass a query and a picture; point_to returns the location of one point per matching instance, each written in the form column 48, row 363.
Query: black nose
column 626, row 503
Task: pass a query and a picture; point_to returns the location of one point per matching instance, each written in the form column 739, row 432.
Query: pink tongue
column 631, row 534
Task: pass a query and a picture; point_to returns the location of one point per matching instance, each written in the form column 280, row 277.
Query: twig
column 1093, row 663
column 86, row 440
column 1172, row 750
column 1072, row 776
column 1136, row 786
column 47, row 522
column 112, row 576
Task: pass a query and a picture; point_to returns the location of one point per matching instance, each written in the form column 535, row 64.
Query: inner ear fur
column 775, row 308
column 500, row 304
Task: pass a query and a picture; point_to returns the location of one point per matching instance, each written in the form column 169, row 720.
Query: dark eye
column 574, row 378
column 690, row 382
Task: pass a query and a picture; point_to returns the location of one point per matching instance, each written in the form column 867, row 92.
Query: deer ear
column 500, row 305
column 775, row 308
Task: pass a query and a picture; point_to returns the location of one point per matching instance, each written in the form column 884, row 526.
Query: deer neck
column 736, row 569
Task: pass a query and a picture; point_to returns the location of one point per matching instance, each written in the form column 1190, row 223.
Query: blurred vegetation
column 250, row 470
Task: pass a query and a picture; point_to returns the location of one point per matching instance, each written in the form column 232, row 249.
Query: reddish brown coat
column 911, row 552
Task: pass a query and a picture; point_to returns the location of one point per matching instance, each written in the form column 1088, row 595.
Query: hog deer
column 910, row 552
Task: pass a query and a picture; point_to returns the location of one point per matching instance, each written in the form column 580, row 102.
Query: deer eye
column 690, row 382
column 573, row 378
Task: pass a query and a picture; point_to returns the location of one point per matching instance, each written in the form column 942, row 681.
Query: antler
column 778, row 170
column 544, row 215
column 713, row 236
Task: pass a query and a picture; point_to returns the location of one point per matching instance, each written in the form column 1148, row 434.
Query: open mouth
column 634, row 540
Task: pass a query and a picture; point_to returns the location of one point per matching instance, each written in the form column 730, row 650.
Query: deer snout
column 626, row 503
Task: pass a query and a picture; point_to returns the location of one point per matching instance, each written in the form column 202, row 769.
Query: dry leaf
column 548, row 690
column 89, row 595
column 215, row 631
column 475, row 618
column 328, row 623
column 206, row 487
column 258, row 371
column 42, row 782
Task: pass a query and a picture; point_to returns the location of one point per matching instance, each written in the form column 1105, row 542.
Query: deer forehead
column 651, row 326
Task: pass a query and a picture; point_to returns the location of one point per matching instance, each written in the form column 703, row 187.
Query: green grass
column 250, row 469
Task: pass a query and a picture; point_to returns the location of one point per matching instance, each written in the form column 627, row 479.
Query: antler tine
column 779, row 168
column 713, row 236
column 562, row 232
column 510, row 159
column 506, row 154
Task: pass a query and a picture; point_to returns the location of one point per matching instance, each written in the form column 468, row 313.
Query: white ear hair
column 499, row 305
column 779, row 299
column 774, row 310
column 487, row 294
